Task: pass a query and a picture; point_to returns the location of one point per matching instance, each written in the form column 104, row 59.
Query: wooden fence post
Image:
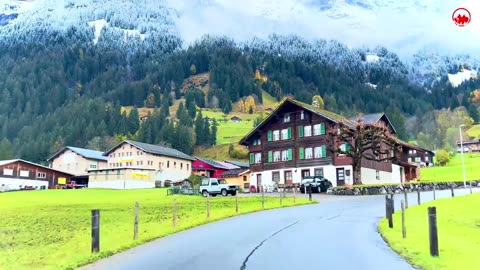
column 309, row 192
column 386, row 206
column 263, row 198
column 174, row 211
column 418, row 196
column 390, row 213
column 451, row 189
column 281, row 195
column 392, row 203
column 433, row 231
column 404, row 226
column 294, row 193
column 135, row 223
column 471, row 187
column 95, row 231
column 434, row 195
column 406, row 197
column 236, row 203
column 208, row 205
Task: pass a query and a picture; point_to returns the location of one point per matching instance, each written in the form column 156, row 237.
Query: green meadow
column 52, row 229
column 453, row 170
column 458, row 221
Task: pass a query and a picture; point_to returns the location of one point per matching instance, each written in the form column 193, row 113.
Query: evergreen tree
column 133, row 121
column 454, row 103
column 473, row 112
column 102, row 129
column 192, row 109
column 200, row 129
column 213, row 133
column 6, row 150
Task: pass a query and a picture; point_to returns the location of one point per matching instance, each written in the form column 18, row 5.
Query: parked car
column 214, row 186
column 318, row 184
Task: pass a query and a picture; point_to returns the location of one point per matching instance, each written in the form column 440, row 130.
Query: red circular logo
column 461, row 17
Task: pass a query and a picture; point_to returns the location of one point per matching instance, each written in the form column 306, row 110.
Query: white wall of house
column 369, row 176
column 329, row 172
column 17, row 183
column 122, row 184
column 173, row 175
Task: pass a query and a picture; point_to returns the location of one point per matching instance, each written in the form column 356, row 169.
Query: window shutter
column 324, row 151
column 252, row 158
column 255, row 142
column 300, row 131
column 290, row 154
column 269, row 136
column 347, row 147
column 270, row 156
column 289, row 133
column 322, row 129
column 301, row 152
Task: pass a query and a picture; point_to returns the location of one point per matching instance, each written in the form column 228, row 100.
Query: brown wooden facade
column 299, row 117
column 24, row 170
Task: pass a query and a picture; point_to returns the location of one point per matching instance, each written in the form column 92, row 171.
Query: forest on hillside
column 63, row 89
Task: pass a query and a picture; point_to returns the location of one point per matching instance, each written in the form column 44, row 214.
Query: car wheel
column 205, row 193
column 224, row 192
column 319, row 189
column 234, row 193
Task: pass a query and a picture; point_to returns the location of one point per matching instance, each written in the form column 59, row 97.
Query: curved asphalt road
column 337, row 233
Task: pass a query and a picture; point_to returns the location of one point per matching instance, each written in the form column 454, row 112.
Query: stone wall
column 409, row 187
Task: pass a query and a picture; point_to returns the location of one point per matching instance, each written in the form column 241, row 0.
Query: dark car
column 318, row 184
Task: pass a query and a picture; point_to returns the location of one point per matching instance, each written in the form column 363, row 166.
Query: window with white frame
column 316, row 130
column 409, row 159
column 418, row 159
column 24, row 173
column 276, row 135
column 286, row 118
column 258, row 158
column 7, row 172
column 307, row 131
column 318, row 152
column 308, row 153
column 93, row 166
column 302, row 115
column 41, row 175
column 377, row 174
column 284, row 134
column 276, row 156
column 284, row 155
column 426, row 158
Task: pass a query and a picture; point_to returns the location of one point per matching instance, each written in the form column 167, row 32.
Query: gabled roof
column 213, row 163
column 238, row 163
column 229, row 165
column 86, row 153
column 412, row 146
column 373, row 118
column 153, row 149
column 6, row 162
column 336, row 118
column 235, row 172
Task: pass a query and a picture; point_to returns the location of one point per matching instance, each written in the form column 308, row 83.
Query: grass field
column 453, row 170
column 458, row 222
column 474, row 132
column 51, row 229
column 231, row 132
column 218, row 152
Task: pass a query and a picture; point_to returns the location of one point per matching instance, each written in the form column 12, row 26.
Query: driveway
column 338, row 233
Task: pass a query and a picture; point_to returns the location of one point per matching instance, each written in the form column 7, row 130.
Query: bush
column 195, row 180
column 442, row 157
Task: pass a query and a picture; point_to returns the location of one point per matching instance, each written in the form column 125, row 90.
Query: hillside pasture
column 453, row 170
column 51, row 229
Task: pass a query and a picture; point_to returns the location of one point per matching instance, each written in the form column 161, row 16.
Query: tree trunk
column 357, row 174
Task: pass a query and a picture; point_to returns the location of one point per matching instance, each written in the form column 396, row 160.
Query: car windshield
column 222, row 182
column 205, row 182
column 307, row 180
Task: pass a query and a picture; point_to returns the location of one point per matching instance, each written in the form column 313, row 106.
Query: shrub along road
column 339, row 233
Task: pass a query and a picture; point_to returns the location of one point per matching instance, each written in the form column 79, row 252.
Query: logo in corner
column 461, row 17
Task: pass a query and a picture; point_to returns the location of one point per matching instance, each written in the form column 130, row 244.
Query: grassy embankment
column 453, row 170
column 51, row 229
column 458, row 221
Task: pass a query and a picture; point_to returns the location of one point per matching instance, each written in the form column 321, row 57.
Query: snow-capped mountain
column 421, row 32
